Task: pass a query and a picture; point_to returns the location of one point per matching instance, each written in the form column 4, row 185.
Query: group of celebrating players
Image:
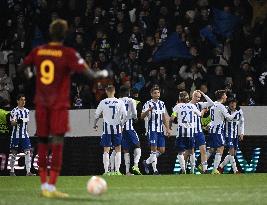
column 226, row 128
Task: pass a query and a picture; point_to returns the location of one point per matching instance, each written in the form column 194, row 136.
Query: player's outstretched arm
column 209, row 101
column 94, row 74
column 226, row 114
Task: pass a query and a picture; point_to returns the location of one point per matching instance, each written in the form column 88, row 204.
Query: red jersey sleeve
column 75, row 61
column 29, row 59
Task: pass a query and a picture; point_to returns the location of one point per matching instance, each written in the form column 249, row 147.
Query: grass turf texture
column 139, row 190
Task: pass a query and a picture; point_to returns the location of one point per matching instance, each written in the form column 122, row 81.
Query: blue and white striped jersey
column 185, row 117
column 114, row 115
column 20, row 130
column 131, row 112
column 200, row 106
column 236, row 126
column 218, row 114
column 155, row 117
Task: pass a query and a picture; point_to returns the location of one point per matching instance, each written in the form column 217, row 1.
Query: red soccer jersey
column 54, row 64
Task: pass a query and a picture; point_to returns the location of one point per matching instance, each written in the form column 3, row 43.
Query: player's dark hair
column 124, row 91
column 154, row 88
column 58, row 29
column 184, row 97
column 110, row 88
column 219, row 94
column 21, row 95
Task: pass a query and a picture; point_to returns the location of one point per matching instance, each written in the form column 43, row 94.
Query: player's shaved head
column 58, row 30
column 196, row 96
column 184, row 97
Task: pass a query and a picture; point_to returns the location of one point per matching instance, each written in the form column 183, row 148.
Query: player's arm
column 133, row 109
column 226, row 114
column 166, row 119
column 123, row 114
column 197, row 112
column 78, row 64
column 209, row 101
column 14, row 120
column 241, row 126
column 24, row 69
column 94, row 74
column 146, row 110
column 98, row 113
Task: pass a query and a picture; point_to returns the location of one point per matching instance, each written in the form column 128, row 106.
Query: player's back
column 185, row 119
column 217, row 118
column 54, row 63
column 131, row 112
column 113, row 110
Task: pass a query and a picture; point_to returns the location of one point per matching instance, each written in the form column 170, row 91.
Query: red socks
column 42, row 161
column 56, row 162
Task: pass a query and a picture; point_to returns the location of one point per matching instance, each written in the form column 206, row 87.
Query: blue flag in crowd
column 224, row 22
column 208, row 34
column 173, row 47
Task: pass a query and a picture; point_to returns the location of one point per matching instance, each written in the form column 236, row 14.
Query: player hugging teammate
column 225, row 126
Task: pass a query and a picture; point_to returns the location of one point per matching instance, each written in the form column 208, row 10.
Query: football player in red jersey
column 54, row 64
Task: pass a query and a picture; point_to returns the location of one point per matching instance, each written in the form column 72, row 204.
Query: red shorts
column 51, row 121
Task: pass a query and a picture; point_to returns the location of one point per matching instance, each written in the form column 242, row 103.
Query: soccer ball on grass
column 96, row 186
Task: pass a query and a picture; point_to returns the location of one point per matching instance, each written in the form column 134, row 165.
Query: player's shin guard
column 42, row 161
column 233, row 163
column 181, row 161
column 193, row 163
column 225, row 161
column 137, row 156
column 217, row 160
column 106, row 161
column 12, row 162
column 56, row 162
column 127, row 162
column 117, row 161
column 28, row 161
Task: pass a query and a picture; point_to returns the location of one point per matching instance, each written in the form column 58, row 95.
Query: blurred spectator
column 79, row 44
column 6, row 86
column 193, row 75
column 248, row 95
column 216, row 80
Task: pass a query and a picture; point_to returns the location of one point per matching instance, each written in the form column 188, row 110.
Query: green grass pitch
column 143, row 190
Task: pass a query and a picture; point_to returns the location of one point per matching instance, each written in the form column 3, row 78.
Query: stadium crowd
column 177, row 44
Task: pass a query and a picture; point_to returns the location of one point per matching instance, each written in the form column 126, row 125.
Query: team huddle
column 225, row 129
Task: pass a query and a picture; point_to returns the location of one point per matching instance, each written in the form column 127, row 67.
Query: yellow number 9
column 47, row 69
